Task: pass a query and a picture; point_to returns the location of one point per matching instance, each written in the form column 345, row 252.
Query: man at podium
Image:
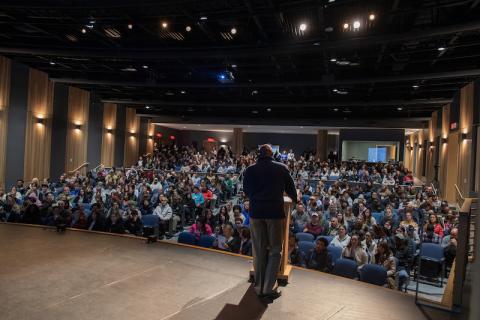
column 265, row 183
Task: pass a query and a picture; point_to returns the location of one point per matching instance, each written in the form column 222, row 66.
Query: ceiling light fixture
column 442, row 49
column 371, row 17
column 269, row 109
column 203, row 18
column 335, row 109
column 164, row 25
column 147, row 107
column 333, row 60
column 303, row 26
column 145, row 66
column 255, row 111
column 356, row 24
column 345, row 26
column 415, row 86
column 399, row 108
column 183, row 91
column 84, row 30
column 52, row 63
column 233, row 31
column 130, row 26
column 188, row 28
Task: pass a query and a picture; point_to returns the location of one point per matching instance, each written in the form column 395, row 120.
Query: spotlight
column 183, row 92
column 333, row 60
column 335, row 109
column 84, row 30
column 371, row 17
column 147, row 107
column 164, row 25
column 233, row 31
column 399, row 108
column 415, row 86
column 130, row 26
column 442, row 49
column 356, row 24
column 188, row 28
column 269, row 109
column 52, row 63
column 335, row 90
column 345, row 26
column 203, row 18
column 303, row 26
column 145, row 66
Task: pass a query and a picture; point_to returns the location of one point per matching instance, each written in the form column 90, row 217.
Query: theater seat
column 335, row 252
column 186, row 238
column 328, row 238
column 378, row 216
column 303, row 236
column 373, row 274
column 306, row 246
column 205, row 241
column 345, row 268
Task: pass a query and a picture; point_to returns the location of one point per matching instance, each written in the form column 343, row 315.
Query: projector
column 226, row 77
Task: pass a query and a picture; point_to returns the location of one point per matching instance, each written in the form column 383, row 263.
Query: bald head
column 266, row 151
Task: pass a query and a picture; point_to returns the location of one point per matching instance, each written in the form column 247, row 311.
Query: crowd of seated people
column 372, row 212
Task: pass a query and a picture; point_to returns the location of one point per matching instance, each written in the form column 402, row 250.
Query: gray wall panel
column 120, row 136
column 95, row 131
column 59, row 130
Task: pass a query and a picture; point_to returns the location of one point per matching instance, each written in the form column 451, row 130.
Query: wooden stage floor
column 81, row 275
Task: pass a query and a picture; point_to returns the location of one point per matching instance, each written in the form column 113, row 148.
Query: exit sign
column 453, row 126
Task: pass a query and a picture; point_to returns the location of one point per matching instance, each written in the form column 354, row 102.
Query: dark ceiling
column 406, row 62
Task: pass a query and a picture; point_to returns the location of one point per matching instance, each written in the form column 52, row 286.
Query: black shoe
column 272, row 296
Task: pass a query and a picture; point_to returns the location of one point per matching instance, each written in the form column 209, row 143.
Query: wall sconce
column 444, row 140
column 150, row 137
column 78, row 126
column 109, row 131
column 466, row 136
column 40, row 121
column 419, row 146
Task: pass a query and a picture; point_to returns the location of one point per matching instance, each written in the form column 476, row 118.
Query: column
column 132, row 136
column 77, row 130
column 321, row 145
column 38, row 131
column 150, row 137
column 108, row 134
column 237, row 141
column 5, row 66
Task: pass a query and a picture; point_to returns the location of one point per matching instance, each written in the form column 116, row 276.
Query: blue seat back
column 186, row 238
column 328, row 238
column 335, row 252
column 374, row 274
column 303, row 236
column 306, row 246
column 345, row 268
column 206, row 241
column 378, row 216
column 431, row 251
column 150, row 220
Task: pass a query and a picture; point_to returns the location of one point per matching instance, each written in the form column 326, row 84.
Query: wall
column 132, row 137
column 299, row 143
column 95, row 133
column 109, row 133
column 5, row 75
column 59, row 130
column 119, row 133
column 16, row 124
column 359, row 149
column 189, row 137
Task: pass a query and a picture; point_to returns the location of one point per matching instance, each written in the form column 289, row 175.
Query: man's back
column 264, row 183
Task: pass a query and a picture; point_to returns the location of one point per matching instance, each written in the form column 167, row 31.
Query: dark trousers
column 267, row 240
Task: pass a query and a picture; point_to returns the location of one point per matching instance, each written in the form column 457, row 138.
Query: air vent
column 112, row 33
column 226, row 35
column 171, row 35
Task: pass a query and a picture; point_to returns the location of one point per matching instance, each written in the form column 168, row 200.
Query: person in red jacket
column 433, row 220
column 314, row 226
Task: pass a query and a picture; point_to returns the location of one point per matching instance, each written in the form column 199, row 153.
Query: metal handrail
column 85, row 164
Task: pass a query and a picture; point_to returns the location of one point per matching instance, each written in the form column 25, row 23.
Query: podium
column 285, row 268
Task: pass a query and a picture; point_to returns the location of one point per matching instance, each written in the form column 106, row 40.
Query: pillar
column 108, row 134
column 132, row 137
column 77, row 130
column 237, row 141
column 5, row 67
column 150, row 137
column 321, row 145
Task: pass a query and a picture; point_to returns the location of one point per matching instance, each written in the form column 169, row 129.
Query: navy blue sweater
column 264, row 183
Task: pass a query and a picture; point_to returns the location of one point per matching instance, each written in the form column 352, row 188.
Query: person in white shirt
column 291, row 155
column 165, row 213
column 342, row 239
column 156, row 185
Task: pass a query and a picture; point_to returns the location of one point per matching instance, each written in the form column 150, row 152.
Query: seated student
column 245, row 242
column 369, row 245
column 384, row 257
column 435, row 225
column 333, row 227
column 96, row 220
column 198, row 199
column 165, row 214
column 133, row 224
column 246, row 212
column 295, row 255
column 342, row 239
column 80, row 221
column 300, row 218
column 354, row 251
column 391, row 217
column 319, row 258
column 409, row 221
column 115, row 224
column 200, row 227
column 232, row 243
column 314, row 226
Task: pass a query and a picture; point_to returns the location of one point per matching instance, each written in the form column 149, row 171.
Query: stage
column 83, row 275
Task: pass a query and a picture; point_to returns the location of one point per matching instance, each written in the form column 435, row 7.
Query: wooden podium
column 285, row 268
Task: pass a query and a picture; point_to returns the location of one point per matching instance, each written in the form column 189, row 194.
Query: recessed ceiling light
column 145, row 66
column 399, row 108
column 442, row 49
column 303, row 26
column 415, row 86
column 335, row 109
column 203, row 18
column 333, row 60
column 254, row 92
column 234, row 65
column 130, row 26
column 356, row 24
column 147, row 107
column 164, row 25
column 269, row 109
column 233, row 31
column 329, row 29
column 188, row 28
column 183, row 92
column 345, row 26
column 52, row 63
column 335, row 90
column 255, row 111
column 316, row 43
column 169, row 93
column 371, row 17
column 129, row 69
column 84, row 30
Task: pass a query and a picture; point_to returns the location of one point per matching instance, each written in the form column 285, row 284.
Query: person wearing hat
column 265, row 183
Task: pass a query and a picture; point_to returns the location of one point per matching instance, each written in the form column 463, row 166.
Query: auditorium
column 239, row 159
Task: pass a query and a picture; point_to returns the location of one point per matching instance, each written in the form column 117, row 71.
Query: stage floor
column 81, row 275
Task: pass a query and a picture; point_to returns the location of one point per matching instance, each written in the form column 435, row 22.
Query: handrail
column 100, row 165
column 458, row 191
column 85, row 164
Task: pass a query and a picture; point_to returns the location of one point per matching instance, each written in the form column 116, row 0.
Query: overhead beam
column 245, row 51
column 325, row 82
column 413, row 102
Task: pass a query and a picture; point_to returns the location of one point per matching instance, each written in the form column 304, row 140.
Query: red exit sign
column 453, row 126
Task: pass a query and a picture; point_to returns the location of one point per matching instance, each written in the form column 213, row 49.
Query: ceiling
column 406, row 62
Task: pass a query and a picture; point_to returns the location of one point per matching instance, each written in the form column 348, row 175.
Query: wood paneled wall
column 38, row 135
column 466, row 158
column 132, row 136
column 5, row 69
column 150, row 136
column 431, row 150
column 77, row 129
column 238, row 141
column 108, row 139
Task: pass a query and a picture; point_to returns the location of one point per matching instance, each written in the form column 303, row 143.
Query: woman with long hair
column 354, row 251
column 384, row 257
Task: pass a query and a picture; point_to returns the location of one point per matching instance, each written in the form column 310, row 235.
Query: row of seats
column 205, row 241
